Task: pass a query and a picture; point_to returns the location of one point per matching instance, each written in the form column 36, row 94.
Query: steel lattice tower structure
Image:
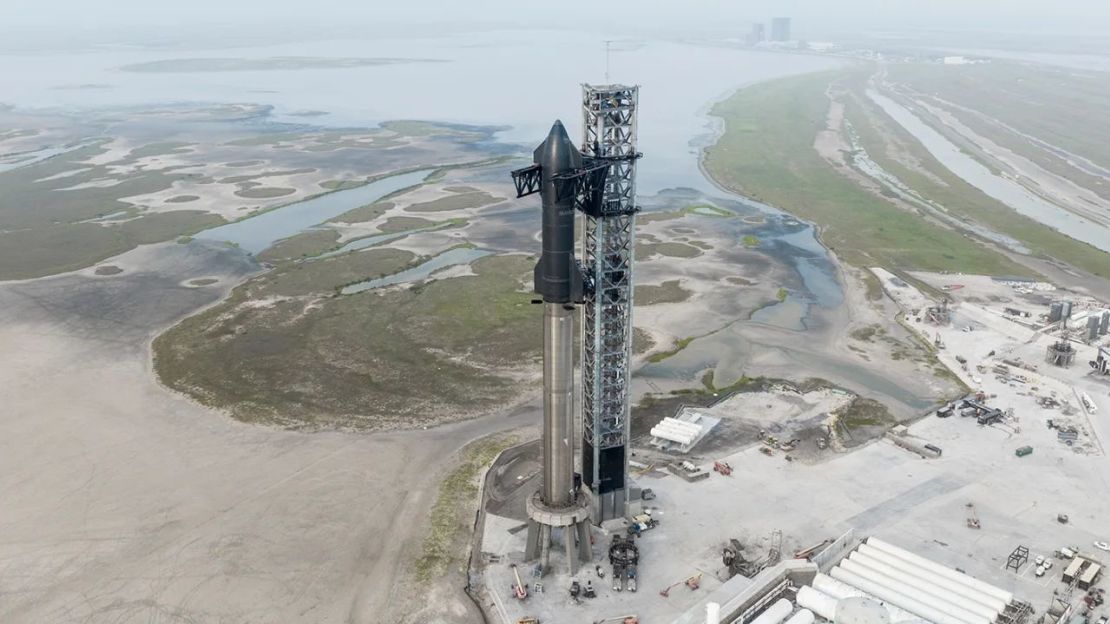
column 609, row 135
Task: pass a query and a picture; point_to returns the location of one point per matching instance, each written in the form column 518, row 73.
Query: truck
column 642, row 523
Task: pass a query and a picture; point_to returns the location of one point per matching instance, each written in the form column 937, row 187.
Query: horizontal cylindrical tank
column 887, row 594
column 870, row 553
column 775, row 613
column 911, row 592
column 863, row 561
column 712, row 613
column 987, row 588
column 804, row 616
column 918, row 589
column 861, row 611
column 817, row 602
column 832, row 587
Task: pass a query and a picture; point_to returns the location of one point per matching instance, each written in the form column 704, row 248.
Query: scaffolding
column 1060, row 353
column 609, row 136
column 1017, row 558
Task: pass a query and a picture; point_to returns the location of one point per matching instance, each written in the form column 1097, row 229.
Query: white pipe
column 860, row 565
column 712, row 613
column 913, row 593
column 869, row 555
column 888, row 595
column 805, row 616
column 832, row 587
column 775, row 613
column 817, row 602
column 987, row 588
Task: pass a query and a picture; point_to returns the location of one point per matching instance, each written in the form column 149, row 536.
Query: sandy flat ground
column 124, row 502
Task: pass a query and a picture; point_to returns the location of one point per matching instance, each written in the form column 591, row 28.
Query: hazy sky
column 104, row 20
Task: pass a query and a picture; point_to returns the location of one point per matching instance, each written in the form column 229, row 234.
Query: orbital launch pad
column 599, row 182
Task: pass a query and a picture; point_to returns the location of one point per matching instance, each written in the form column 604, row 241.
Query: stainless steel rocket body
column 558, row 404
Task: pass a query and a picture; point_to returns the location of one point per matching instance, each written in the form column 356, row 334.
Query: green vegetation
column 444, row 548
column 341, row 185
column 782, row 294
column 264, row 192
column 1038, row 100
column 283, row 349
column 363, row 214
column 303, row 245
column 669, row 291
column 891, row 147
column 404, row 224
column 751, row 241
column 182, row 199
column 203, row 281
column 767, row 153
column 679, row 345
column 866, row 334
column 865, row 416
column 669, row 249
column 44, row 231
column 455, row 202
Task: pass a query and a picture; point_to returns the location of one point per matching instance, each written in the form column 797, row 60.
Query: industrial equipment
column 641, row 523
column 620, row 619
column 691, row 583
column 519, row 590
column 1101, row 364
column 972, row 517
column 624, row 556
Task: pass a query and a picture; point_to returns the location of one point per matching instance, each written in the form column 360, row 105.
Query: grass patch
column 264, row 192
column 751, row 241
column 766, row 152
column 404, row 224
column 669, row 291
column 782, row 294
column 282, row 349
column 443, row 549
column 669, row 249
column 458, row 201
column 303, row 245
column 641, row 341
column 679, row 345
column 882, row 137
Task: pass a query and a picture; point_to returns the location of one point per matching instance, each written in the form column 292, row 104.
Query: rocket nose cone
column 557, row 151
column 557, row 130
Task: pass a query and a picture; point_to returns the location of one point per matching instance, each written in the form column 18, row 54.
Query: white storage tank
column 870, row 553
column 864, row 565
column 832, row 587
column 817, row 602
column 775, row 613
column 887, row 594
column 804, row 616
column 861, row 611
column 999, row 593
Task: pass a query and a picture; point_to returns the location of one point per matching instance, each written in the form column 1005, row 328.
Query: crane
column 519, row 590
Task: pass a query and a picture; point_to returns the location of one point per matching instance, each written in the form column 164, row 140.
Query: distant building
column 780, row 29
column 757, row 35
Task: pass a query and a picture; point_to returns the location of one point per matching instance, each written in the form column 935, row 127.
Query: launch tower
column 609, row 137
